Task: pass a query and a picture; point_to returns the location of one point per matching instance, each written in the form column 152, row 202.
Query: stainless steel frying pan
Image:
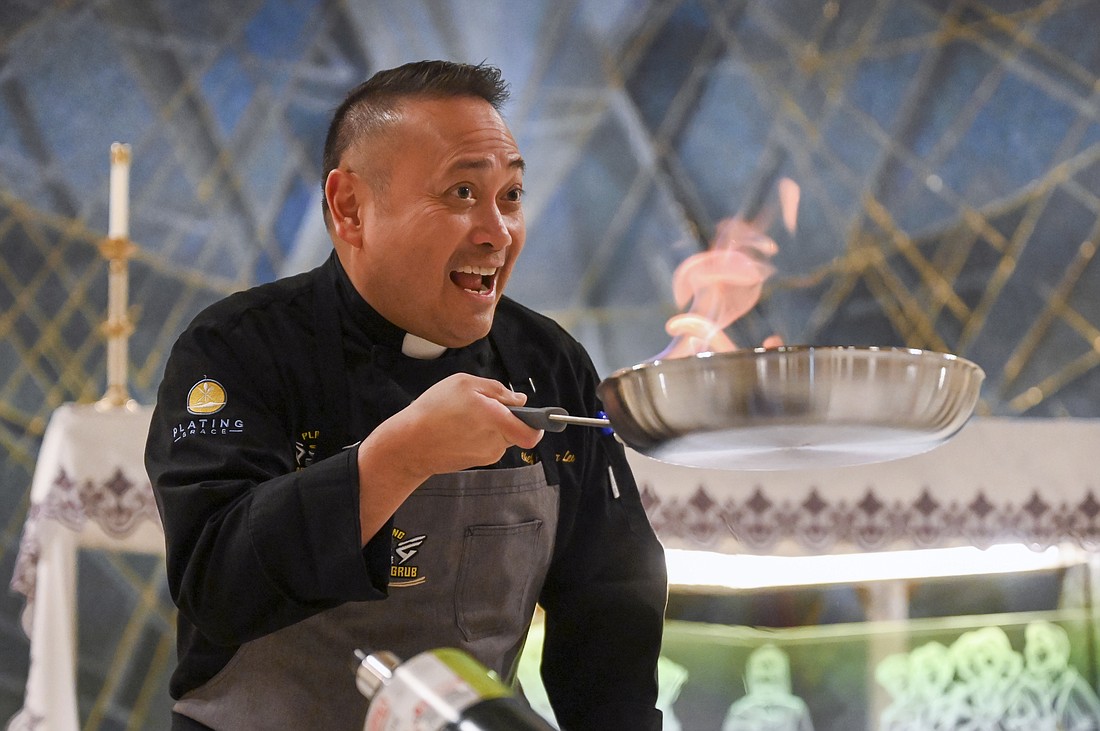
column 784, row 408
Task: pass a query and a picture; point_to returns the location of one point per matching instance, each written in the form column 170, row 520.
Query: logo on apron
column 405, row 548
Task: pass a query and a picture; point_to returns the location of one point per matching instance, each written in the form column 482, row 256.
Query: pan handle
column 553, row 418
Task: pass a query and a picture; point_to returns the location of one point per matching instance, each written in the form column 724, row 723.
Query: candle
column 118, row 226
column 116, row 248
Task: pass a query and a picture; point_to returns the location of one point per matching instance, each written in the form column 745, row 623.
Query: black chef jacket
column 258, row 492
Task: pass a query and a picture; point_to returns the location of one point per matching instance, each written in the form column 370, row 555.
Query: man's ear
column 343, row 194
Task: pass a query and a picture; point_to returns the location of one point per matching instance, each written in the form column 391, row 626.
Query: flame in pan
column 725, row 282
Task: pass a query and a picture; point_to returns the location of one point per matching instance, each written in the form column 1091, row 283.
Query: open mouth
column 479, row 280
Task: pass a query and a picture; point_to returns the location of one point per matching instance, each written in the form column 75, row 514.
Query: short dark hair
column 369, row 107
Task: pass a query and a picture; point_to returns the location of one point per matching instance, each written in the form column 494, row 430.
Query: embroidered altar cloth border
column 999, row 480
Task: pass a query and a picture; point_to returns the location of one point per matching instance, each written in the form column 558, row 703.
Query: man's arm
column 253, row 543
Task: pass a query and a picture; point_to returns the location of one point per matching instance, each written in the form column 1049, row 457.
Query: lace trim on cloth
column 118, row 505
column 817, row 524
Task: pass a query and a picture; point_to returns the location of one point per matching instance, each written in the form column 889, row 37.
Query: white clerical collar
column 421, row 349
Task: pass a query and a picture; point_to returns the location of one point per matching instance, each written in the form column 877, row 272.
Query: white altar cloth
column 999, row 480
column 90, row 490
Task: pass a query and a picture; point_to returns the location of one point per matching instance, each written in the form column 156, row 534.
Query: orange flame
column 725, row 282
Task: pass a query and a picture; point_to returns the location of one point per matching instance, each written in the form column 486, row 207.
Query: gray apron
column 470, row 554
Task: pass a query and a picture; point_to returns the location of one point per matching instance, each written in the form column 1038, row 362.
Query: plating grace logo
column 206, row 397
column 206, row 426
column 203, row 399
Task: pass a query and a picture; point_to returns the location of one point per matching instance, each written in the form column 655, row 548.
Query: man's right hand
column 461, row 422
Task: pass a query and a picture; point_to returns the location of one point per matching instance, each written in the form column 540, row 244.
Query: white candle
column 118, row 225
column 116, row 248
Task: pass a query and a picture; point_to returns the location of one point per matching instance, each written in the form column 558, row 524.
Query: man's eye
column 515, row 194
column 464, row 191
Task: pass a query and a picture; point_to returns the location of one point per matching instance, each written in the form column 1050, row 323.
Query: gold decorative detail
column 117, row 249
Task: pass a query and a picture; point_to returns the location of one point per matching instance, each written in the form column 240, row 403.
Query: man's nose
column 491, row 227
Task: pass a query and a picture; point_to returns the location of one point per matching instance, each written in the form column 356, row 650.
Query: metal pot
column 789, row 407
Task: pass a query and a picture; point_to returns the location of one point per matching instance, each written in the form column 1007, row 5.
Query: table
column 999, row 480
column 89, row 490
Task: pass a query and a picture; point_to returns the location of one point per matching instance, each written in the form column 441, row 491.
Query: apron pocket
column 494, row 579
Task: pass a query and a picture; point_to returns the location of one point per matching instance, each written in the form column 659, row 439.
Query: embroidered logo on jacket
column 305, row 448
column 405, row 548
column 206, row 397
column 206, row 427
column 531, row 457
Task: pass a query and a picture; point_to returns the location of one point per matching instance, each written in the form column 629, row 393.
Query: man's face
column 440, row 237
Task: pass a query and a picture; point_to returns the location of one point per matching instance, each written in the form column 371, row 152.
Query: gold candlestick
column 117, row 250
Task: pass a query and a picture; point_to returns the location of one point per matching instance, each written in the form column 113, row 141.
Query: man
column 337, row 467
